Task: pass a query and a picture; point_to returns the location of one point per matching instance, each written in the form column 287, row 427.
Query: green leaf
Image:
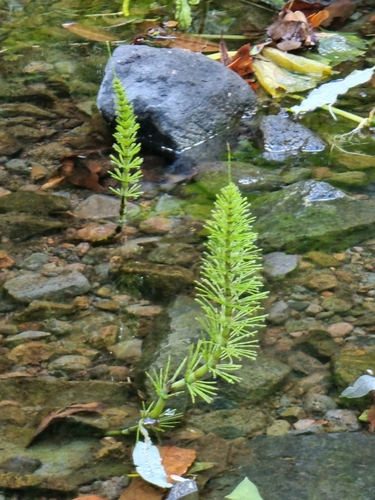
column 246, row 490
column 340, row 47
column 327, row 94
column 296, row 63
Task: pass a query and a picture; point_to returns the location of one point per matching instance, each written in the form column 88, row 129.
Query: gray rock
column 311, row 215
column 231, row 424
column 21, row 226
column 17, row 166
column 33, row 203
column 176, row 104
column 259, row 379
column 278, row 264
column 307, row 467
column 20, row 338
column 70, row 363
column 283, row 137
column 33, row 286
column 99, row 206
column 278, row 312
column 35, row 261
column 187, row 490
column 316, row 405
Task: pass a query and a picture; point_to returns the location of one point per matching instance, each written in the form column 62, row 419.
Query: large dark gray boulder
column 185, row 102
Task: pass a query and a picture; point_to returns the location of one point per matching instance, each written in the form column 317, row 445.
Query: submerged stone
column 33, row 286
column 284, row 137
column 33, row 203
column 311, row 215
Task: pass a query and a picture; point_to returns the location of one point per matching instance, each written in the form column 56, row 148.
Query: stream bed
column 80, row 323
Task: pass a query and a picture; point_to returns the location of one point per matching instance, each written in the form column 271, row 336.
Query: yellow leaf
column 273, row 78
column 296, row 63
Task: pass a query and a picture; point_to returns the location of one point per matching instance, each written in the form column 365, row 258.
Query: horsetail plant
column 230, row 295
column 127, row 170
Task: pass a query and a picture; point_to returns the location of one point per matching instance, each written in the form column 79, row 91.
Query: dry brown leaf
column 65, row 412
column 371, row 418
column 242, row 62
column 174, row 39
column 95, row 34
column 176, row 460
column 322, row 15
column 90, row 497
column 139, row 489
column 339, row 12
column 291, row 31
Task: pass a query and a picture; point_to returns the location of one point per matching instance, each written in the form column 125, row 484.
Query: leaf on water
column 296, row 63
column 65, row 412
column 339, row 47
column 147, row 461
column 327, row 94
column 362, row 386
column 176, row 460
column 246, row 490
column 141, row 490
column 93, row 34
column 275, row 79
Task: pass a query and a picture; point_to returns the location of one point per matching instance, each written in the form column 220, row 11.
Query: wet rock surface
column 173, row 97
column 304, row 467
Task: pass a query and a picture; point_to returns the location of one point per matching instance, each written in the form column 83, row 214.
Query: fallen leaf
column 242, row 62
column 292, row 30
column 296, row 63
column 65, row 412
column 90, row 497
column 147, row 461
column 275, row 79
column 141, row 490
column 328, row 93
column 93, row 34
column 371, row 418
column 338, row 13
column 246, row 490
column 174, row 39
column 176, row 460
column 80, row 171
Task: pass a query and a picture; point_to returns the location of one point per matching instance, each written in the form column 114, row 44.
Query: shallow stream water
column 74, row 330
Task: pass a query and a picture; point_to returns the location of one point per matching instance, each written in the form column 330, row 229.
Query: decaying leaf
column 291, row 31
column 176, row 460
column 94, row 34
column 141, row 490
column 90, row 497
column 80, row 171
column 246, row 490
column 275, row 80
column 323, row 13
column 371, row 419
column 66, row 412
column 162, row 37
column 328, row 93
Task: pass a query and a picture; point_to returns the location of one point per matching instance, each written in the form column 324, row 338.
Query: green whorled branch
column 229, row 293
column 127, row 162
